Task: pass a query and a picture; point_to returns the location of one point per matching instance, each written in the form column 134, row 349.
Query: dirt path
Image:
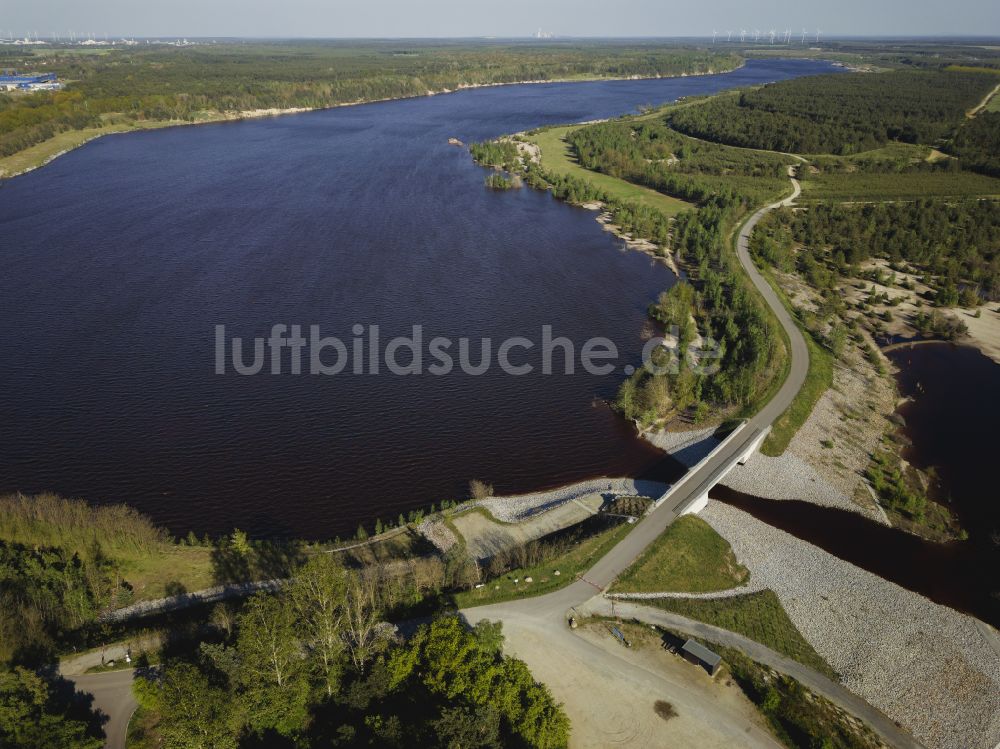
column 982, row 105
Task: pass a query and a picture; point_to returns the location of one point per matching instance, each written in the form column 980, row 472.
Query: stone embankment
column 931, row 668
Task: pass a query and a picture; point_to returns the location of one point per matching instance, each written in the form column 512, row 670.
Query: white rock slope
column 927, row 666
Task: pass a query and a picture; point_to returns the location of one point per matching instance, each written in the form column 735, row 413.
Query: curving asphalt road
column 550, row 612
column 112, row 692
column 546, row 616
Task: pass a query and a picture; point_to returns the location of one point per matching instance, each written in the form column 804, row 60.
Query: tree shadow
column 264, row 561
column 66, row 699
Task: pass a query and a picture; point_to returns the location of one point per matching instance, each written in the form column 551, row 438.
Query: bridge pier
column 753, row 447
column 699, row 504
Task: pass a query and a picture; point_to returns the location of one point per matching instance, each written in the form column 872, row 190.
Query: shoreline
column 250, row 114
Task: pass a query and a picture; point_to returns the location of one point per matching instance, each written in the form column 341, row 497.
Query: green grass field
column 688, row 557
column 544, row 580
column 556, row 158
column 759, row 616
column 146, row 558
column 864, row 187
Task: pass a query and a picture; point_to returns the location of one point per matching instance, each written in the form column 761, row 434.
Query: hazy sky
column 446, row 18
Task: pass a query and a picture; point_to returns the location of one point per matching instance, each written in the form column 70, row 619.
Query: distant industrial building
column 699, row 655
column 13, row 81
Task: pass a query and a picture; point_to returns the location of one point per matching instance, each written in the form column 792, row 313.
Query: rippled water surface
column 119, row 259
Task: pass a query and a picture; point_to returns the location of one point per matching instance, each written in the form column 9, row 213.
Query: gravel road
column 815, row 681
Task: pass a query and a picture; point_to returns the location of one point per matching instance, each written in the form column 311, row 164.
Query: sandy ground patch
column 984, row 331
column 934, row 670
column 609, row 692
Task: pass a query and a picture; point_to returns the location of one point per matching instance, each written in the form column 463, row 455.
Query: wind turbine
column 729, row 36
column 743, row 35
column 788, row 35
column 771, row 32
column 803, row 36
column 756, row 35
column 818, row 32
column 714, row 34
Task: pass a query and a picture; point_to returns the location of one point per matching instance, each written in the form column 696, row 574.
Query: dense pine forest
column 840, row 114
column 166, row 83
column 977, row 143
column 956, row 243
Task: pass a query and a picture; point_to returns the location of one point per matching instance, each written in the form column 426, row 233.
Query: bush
column 480, row 489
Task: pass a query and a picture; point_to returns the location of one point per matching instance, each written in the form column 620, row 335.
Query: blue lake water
column 118, row 260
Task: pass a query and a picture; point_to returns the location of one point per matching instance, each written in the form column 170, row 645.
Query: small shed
column 699, row 655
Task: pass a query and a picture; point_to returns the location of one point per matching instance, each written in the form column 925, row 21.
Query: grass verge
column 796, row 716
column 819, row 379
column 689, row 557
column 759, row 616
column 544, row 580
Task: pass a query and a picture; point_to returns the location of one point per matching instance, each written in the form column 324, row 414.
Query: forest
column 166, row 83
column 360, row 683
column 956, row 243
column 716, row 304
column 840, row 114
column 315, row 665
column 717, row 315
column 650, row 153
column 977, row 143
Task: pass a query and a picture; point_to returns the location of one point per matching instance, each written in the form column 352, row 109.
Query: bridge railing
column 748, row 442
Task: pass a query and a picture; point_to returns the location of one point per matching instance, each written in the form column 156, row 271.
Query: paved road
column 549, row 612
column 610, row 692
column 112, row 691
column 815, row 681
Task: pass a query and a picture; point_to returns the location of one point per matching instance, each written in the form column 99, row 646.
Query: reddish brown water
column 119, row 259
column 953, row 574
column 952, row 420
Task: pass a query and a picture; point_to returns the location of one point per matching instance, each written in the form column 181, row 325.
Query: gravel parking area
column 927, row 666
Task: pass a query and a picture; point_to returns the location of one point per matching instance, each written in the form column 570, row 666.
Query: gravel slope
column 925, row 665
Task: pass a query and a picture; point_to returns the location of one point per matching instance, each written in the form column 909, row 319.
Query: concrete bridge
column 690, row 493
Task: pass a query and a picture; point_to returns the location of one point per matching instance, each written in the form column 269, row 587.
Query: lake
column 120, row 258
